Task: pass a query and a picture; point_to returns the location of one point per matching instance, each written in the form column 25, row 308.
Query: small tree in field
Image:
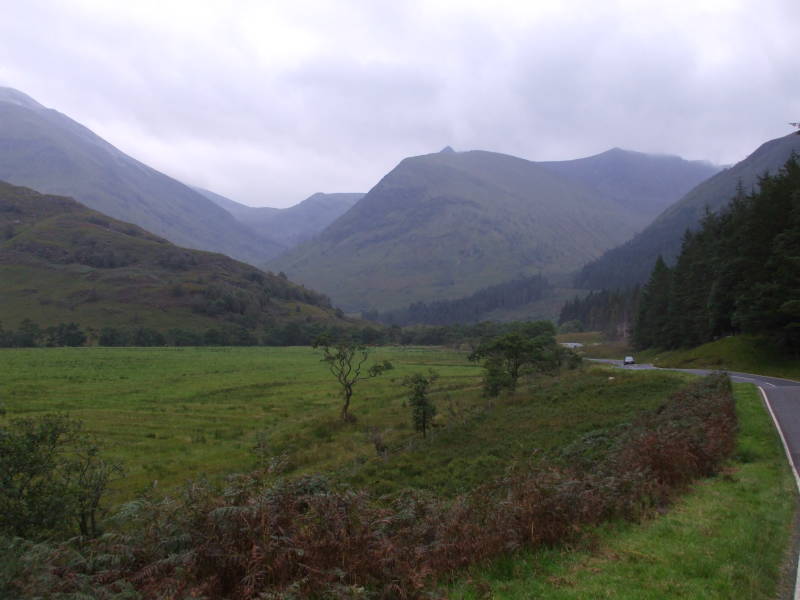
column 422, row 409
column 346, row 360
column 532, row 346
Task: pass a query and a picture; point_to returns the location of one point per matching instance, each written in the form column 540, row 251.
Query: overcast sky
column 268, row 102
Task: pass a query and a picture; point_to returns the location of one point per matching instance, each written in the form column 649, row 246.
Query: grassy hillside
column 633, row 261
column 444, row 225
column 643, row 184
column 62, row 262
column 49, row 152
column 735, row 353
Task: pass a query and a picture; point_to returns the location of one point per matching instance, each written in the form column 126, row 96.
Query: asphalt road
column 782, row 398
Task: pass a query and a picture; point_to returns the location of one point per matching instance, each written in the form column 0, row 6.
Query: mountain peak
column 12, row 96
column 632, row 262
column 617, row 151
column 442, row 228
column 447, row 150
column 81, row 164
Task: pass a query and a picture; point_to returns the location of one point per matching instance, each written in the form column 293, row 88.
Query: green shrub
column 53, row 478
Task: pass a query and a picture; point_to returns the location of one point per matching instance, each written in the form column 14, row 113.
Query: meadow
column 172, row 414
column 169, row 414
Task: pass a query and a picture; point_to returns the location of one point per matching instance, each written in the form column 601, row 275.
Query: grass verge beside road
column 736, row 353
column 746, row 354
column 728, row 538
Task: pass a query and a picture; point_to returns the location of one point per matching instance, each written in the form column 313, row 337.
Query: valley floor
column 173, row 414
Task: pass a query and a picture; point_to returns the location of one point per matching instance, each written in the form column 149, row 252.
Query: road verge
column 727, row 538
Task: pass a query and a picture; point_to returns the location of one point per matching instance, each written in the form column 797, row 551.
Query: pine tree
column 770, row 302
column 652, row 324
column 739, row 272
column 422, row 408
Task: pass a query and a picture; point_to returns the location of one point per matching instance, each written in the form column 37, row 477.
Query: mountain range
column 642, row 184
column 293, row 225
column 437, row 227
column 632, row 262
column 441, row 226
column 45, row 150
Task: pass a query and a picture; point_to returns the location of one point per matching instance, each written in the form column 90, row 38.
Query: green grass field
column 174, row 413
column 170, row 414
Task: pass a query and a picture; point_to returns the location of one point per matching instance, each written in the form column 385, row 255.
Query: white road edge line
column 751, row 380
column 794, row 471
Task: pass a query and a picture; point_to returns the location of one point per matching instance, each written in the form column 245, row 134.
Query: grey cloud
column 269, row 103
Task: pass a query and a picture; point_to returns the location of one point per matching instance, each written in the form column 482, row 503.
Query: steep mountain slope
column 296, row 224
column 293, row 225
column 444, row 225
column 45, row 150
column 240, row 211
column 643, row 184
column 633, row 261
column 60, row 262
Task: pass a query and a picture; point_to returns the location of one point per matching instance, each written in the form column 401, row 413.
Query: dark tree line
column 739, row 273
column 470, row 309
column 611, row 311
column 30, row 334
